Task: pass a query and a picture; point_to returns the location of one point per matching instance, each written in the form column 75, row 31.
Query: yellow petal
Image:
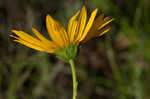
column 98, row 21
column 71, row 23
column 56, row 31
column 14, row 36
column 43, row 39
column 96, row 24
column 104, row 31
column 29, row 45
column 61, row 33
column 51, row 29
column 33, row 46
column 97, row 33
column 74, row 30
column 81, row 23
column 89, row 24
column 26, row 37
column 107, row 20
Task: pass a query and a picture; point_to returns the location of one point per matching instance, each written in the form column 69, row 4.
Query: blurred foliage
column 115, row 66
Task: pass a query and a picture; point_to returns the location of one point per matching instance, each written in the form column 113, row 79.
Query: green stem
column 75, row 83
column 115, row 70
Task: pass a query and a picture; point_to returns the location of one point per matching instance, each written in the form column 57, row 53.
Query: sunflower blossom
column 79, row 31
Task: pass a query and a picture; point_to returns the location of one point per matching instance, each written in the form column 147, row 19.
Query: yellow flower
column 79, row 30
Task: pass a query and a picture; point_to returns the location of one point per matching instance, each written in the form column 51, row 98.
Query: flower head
column 79, row 30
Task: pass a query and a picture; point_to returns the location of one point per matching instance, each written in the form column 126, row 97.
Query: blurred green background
column 114, row 66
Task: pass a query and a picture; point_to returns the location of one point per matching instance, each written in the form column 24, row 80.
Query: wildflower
column 65, row 41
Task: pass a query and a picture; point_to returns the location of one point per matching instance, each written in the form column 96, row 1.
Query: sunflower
column 65, row 41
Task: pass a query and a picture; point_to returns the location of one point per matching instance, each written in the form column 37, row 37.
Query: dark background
column 114, row 66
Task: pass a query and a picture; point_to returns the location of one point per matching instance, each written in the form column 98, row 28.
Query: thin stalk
column 75, row 83
column 115, row 70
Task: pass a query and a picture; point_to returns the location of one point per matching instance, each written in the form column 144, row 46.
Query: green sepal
column 67, row 53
